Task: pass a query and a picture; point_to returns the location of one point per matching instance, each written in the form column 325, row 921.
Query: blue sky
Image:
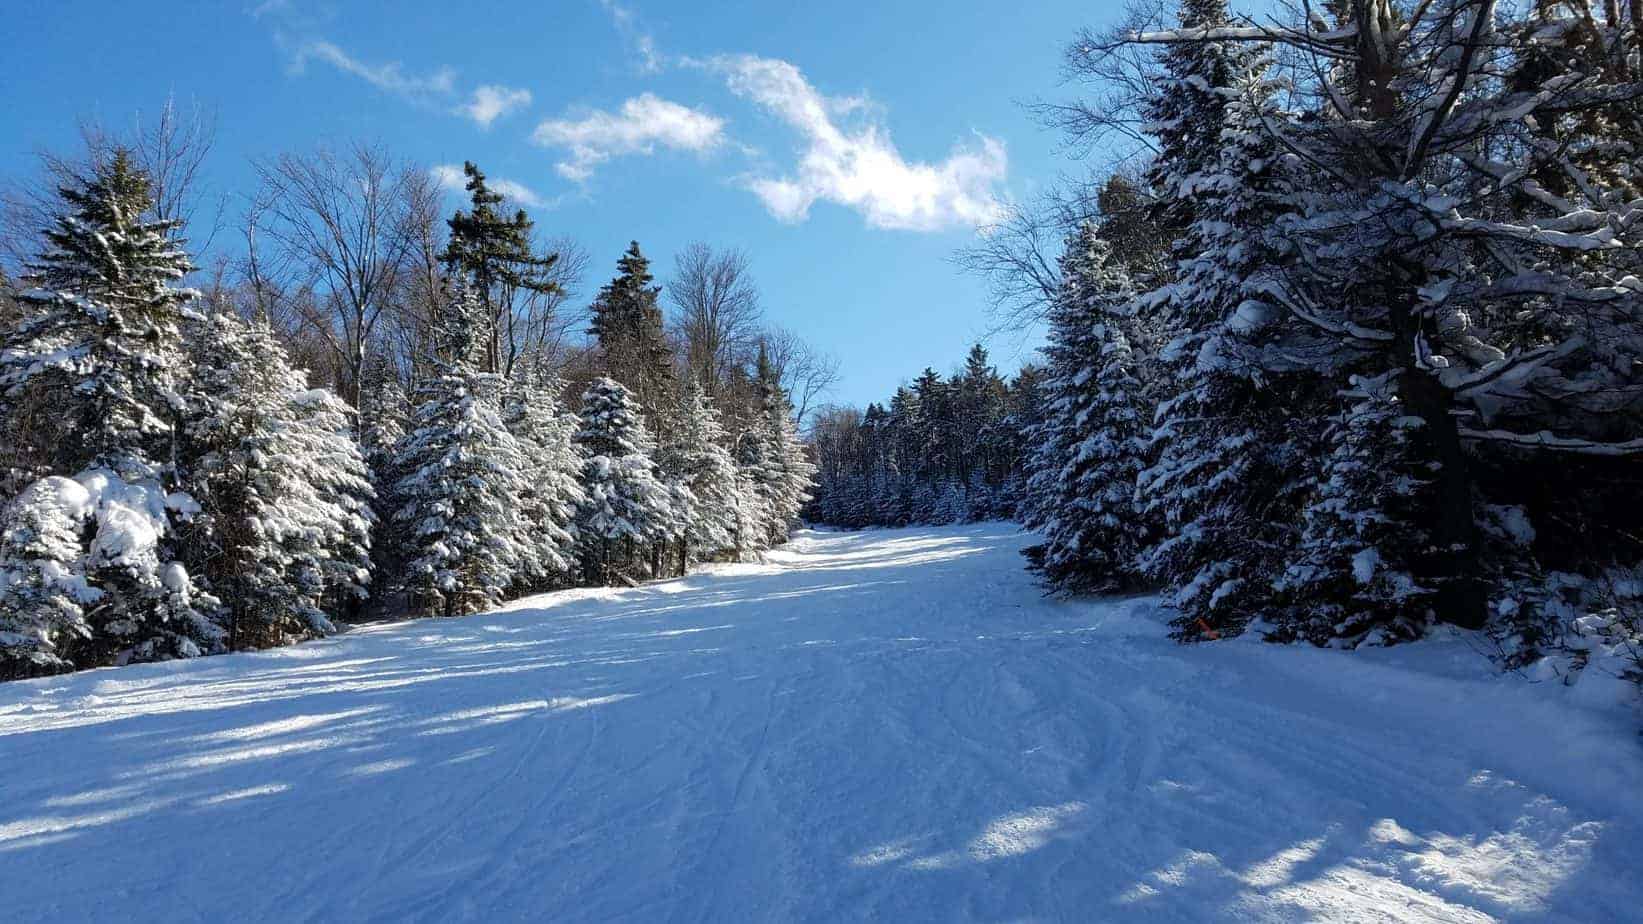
column 847, row 150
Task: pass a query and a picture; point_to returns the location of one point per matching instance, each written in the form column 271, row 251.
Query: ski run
column 883, row 725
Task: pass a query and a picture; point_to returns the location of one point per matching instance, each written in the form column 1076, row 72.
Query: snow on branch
column 1545, row 439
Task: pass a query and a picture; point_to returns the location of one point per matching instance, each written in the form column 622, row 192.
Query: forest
column 1347, row 347
column 374, row 410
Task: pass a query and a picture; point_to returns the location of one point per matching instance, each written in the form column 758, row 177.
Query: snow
column 892, row 725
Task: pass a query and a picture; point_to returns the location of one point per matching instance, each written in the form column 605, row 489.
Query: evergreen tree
column 627, row 326
column 1184, row 115
column 494, row 253
column 772, row 458
column 626, row 505
column 285, row 530
column 467, row 540
column 99, row 349
column 384, row 416
column 1090, row 446
column 695, row 457
column 553, row 471
column 1351, row 578
column 43, row 592
column 1228, row 446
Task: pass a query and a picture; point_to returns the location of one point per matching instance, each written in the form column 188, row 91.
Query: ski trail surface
column 891, row 725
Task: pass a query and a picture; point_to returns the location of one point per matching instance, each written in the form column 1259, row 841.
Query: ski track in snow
column 888, row 725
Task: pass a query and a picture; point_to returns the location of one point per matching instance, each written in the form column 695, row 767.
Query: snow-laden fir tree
column 1350, row 578
column 772, row 456
column 284, row 536
column 1184, row 115
column 466, row 538
column 694, row 455
column 798, row 478
column 1228, row 449
column 383, row 416
column 626, row 507
column 632, row 345
column 1463, row 237
column 100, row 349
column 552, row 474
column 1091, row 444
column 43, row 591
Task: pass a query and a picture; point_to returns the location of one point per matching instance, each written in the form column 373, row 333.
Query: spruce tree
column 627, row 328
column 101, row 346
column 695, row 457
column 467, row 540
column 284, row 536
column 552, row 474
column 494, row 253
column 384, row 416
column 1091, row 444
column 1229, row 444
column 626, row 506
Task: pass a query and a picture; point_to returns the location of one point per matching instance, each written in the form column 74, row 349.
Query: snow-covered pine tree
column 694, row 455
column 1184, row 115
column 626, row 506
column 773, row 457
column 341, row 485
column 633, row 349
column 1231, row 443
column 466, row 538
column 553, row 470
column 1090, row 448
column 1464, row 228
column 384, row 415
column 758, row 458
column 798, row 473
column 43, row 591
column 1349, row 579
column 284, row 537
column 100, row 347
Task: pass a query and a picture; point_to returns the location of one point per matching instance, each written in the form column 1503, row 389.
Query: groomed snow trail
column 890, row 725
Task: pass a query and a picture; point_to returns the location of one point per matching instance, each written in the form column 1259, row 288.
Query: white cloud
column 390, row 77
column 491, row 102
column 642, row 124
column 860, row 167
column 451, row 177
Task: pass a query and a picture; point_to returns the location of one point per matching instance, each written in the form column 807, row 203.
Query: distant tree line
column 941, row 450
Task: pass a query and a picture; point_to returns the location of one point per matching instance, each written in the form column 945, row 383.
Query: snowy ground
column 887, row 725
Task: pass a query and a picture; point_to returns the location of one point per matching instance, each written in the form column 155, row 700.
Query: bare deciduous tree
column 715, row 310
column 804, row 372
column 344, row 226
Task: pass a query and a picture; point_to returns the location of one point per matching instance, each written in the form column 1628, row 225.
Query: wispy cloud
column 451, row 177
column 295, row 31
column 390, row 77
column 649, row 60
column 643, row 124
column 491, row 102
column 860, row 167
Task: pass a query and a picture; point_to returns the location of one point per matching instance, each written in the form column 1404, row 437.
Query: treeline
column 1359, row 350
column 175, row 486
column 941, row 451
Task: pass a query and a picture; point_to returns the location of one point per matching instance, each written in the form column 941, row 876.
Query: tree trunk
column 1460, row 596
